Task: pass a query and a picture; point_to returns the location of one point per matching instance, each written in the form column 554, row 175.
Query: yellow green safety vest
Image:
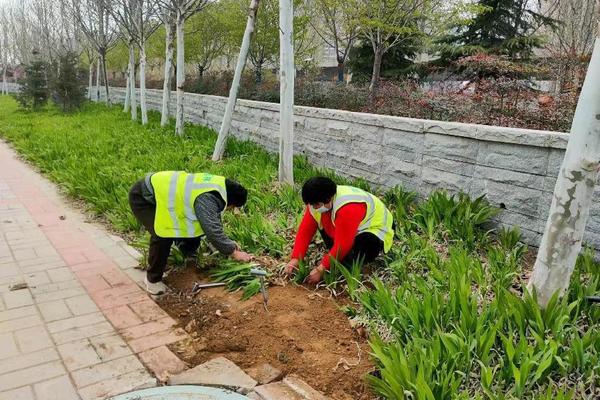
column 175, row 193
column 378, row 219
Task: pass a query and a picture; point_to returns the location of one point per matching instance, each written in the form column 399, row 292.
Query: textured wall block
column 529, row 159
column 443, row 164
column 451, row 147
column 403, row 140
column 509, row 177
column 445, row 179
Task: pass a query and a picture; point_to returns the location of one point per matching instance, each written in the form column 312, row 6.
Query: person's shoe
column 155, row 288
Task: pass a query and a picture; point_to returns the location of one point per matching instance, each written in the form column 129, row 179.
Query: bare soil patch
column 303, row 332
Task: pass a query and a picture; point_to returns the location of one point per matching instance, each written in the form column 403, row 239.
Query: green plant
column 237, row 276
column 302, row 272
column 459, row 217
column 401, row 202
column 141, row 243
column 68, row 89
column 351, row 275
column 33, row 92
column 510, row 240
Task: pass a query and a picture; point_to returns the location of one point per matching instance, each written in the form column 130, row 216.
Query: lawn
column 446, row 309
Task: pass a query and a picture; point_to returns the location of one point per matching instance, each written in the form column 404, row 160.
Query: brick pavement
column 83, row 328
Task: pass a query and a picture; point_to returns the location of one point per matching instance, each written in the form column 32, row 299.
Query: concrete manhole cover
column 184, row 392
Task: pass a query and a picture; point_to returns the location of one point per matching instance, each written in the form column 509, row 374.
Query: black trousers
column 160, row 247
column 366, row 247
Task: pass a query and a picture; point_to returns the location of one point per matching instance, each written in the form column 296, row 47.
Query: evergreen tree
column 503, row 27
column 68, row 87
column 395, row 63
column 33, row 93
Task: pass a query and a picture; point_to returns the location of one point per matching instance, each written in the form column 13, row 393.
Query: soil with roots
column 303, row 333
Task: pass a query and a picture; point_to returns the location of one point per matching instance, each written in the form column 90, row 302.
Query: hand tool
column 260, row 273
column 198, row 286
column 593, row 299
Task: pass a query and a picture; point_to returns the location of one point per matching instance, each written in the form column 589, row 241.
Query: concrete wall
column 515, row 168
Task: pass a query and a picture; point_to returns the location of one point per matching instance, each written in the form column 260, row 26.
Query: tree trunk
column 180, row 74
column 258, row 74
column 98, row 79
column 127, row 102
column 90, row 80
column 557, row 86
column 286, row 84
column 143, row 84
column 572, row 198
column 200, row 71
column 4, row 87
column 132, row 91
column 375, row 77
column 340, row 71
column 166, row 99
column 105, row 76
column 233, row 92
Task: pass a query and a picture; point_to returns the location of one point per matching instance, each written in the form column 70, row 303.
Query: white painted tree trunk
column 90, row 80
column 235, row 86
column 143, row 84
column 286, row 83
column 132, row 98
column 166, row 98
column 180, row 74
column 98, row 80
column 572, row 198
column 127, row 102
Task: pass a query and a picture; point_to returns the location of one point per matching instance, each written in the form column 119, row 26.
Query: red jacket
column 347, row 221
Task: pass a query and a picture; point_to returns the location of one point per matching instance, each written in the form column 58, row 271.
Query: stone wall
column 515, row 168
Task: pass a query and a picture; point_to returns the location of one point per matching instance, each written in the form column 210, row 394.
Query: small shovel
column 260, row 273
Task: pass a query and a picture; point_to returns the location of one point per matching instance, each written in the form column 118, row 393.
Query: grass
column 448, row 314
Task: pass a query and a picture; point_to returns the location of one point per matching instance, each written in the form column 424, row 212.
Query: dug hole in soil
column 302, row 333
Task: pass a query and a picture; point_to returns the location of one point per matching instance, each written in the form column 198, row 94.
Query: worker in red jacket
column 354, row 225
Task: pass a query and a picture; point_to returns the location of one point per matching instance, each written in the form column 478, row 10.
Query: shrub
column 33, row 93
column 68, row 88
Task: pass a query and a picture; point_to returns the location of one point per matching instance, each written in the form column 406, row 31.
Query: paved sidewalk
column 82, row 329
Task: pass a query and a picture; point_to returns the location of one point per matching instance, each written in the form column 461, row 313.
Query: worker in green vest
column 354, row 224
column 180, row 207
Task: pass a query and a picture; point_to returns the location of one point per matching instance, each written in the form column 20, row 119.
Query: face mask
column 322, row 209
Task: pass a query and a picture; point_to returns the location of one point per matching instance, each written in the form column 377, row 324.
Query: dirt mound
column 303, row 332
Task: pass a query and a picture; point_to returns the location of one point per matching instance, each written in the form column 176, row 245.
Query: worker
column 354, row 224
column 179, row 207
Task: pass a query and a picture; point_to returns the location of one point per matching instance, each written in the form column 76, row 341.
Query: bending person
column 181, row 207
column 354, row 225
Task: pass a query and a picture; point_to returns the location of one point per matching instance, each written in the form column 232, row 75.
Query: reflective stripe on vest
column 175, row 193
column 378, row 219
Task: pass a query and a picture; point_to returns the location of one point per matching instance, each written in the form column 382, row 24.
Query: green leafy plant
column 460, row 217
column 237, row 276
column 67, row 86
column 351, row 275
column 510, row 240
column 33, row 92
column 302, row 272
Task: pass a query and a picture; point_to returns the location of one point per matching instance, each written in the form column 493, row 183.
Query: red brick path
column 83, row 329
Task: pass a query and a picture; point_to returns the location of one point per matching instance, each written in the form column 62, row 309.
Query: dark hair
column 236, row 193
column 318, row 190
